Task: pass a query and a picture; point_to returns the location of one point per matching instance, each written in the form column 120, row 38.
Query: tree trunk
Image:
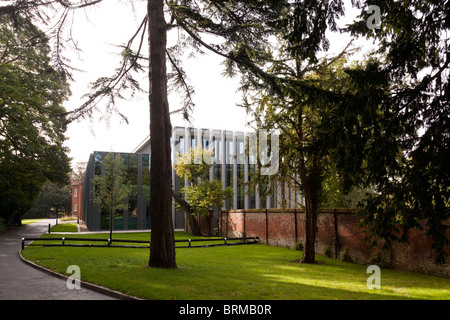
column 193, row 222
column 309, row 250
column 311, row 187
column 193, row 225
column 205, row 224
column 162, row 247
column 312, row 182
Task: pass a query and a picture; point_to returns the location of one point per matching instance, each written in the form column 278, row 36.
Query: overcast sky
column 111, row 22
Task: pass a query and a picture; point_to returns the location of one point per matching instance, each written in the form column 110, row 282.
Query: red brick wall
column 77, row 200
column 286, row 229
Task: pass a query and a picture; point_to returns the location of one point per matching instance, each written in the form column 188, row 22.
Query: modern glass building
column 233, row 163
column 136, row 215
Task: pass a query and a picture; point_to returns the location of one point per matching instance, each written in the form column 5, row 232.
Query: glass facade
column 136, row 212
column 251, row 190
column 229, row 155
column 216, row 138
column 234, row 161
column 240, row 180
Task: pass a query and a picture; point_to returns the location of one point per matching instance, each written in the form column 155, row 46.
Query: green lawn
column 30, row 221
column 232, row 272
column 65, row 227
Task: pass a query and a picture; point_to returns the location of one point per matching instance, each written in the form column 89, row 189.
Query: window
column 75, row 207
column 75, row 192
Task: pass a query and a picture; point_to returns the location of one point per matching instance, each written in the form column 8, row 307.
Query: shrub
column 327, row 251
column 299, row 246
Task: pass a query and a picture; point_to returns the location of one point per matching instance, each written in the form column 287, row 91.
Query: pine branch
column 181, row 78
column 111, row 86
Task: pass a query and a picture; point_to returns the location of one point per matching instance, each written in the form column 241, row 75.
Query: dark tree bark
column 193, row 222
column 311, row 210
column 311, row 188
column 162, row 247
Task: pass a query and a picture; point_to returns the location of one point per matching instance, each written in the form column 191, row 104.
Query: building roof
column 142, row 146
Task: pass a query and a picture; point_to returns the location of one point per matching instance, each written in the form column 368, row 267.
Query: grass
column 30, row 221
column 257, row 272
column 65, row 227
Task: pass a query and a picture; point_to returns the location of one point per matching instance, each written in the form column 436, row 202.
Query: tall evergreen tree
column 409, row 150
column 241, row 30
column 296, row 90
column 385, row 126
column 296, row 114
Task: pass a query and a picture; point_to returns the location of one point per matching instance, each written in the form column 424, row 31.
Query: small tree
column 206, row 195
column 202, row 194
column 110, row 188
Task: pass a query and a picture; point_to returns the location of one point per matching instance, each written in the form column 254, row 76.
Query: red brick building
column 77, row 193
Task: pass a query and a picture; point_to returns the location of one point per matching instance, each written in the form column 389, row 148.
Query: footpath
column 22, row 281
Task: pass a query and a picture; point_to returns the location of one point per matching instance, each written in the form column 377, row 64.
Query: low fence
column 109, row 242
column 338, row 236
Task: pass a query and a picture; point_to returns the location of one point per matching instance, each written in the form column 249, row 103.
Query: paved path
column 20, row 281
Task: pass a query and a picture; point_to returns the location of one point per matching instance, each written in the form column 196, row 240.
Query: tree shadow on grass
column 261, row 278
column 255, row 272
